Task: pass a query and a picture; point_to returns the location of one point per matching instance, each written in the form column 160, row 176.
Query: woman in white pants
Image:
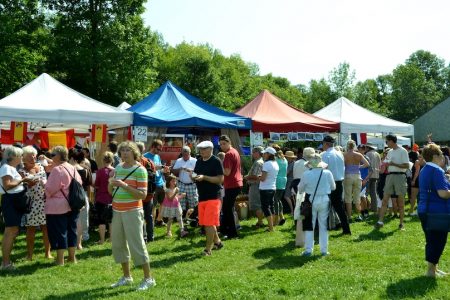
column 318, row 183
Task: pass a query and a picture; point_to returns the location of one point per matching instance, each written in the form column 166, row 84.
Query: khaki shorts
column 352, row 188
column 395, row 184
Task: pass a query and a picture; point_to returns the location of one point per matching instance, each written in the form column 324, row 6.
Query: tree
column 318, row 95
column 366, row 94
column 23, row 44
column 108, row 52
column 412, row 94
column 431, row 65
column 341, row 80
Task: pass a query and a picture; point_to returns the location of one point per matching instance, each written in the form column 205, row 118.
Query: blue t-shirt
column 432, row 176
column 159, row 178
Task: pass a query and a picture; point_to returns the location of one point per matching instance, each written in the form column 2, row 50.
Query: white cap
column 205, row 144
column 270, row 150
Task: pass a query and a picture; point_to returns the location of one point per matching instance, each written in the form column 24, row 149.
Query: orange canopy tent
column 269, row 113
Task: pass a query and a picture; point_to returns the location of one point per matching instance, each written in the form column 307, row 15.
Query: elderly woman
column 433, row 194
column 61, row 219
column 267, row 185
column 317, row 183
column 36, row 192
column 253, row 184
column 128, row 188
column 11, row 184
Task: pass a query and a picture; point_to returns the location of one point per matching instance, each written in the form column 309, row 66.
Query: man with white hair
column 208, row 176
column 181, row 169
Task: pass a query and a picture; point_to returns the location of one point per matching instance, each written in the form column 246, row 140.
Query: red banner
column 19, row 131
column 62, row 138
column 98, row 133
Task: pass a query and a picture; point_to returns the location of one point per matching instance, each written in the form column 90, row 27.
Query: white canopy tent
column 124, row 105
column 356, row 119
column 47, row 103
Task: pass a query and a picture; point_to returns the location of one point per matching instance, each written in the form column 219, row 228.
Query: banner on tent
column 98, row 133
column 296, row 136
column 19, row 131
column 62, row 138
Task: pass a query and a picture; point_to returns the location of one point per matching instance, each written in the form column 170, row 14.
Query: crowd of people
column 135, row 191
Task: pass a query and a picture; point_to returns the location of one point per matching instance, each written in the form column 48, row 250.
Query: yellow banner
column 57, row 139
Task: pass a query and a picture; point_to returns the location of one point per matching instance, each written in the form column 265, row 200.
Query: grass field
column 385, row 264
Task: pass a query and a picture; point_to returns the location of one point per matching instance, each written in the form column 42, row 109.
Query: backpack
column 77, row 195
column 151, row 174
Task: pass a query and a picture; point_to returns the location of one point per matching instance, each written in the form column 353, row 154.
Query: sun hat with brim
column 315, row 161
column 205, row 144
column 308, row 152
column 270, row 150
column 290, row 154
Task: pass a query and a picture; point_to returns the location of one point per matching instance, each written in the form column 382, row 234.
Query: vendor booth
column 172, row 111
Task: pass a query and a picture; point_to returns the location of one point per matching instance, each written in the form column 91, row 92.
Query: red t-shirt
column 232, row 161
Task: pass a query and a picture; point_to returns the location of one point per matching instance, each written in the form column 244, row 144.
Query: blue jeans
column 62, row 230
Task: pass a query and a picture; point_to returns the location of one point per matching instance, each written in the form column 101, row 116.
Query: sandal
column 218, row 246
column 206, row 252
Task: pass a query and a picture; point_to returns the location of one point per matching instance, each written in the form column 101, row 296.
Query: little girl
column 171, row 206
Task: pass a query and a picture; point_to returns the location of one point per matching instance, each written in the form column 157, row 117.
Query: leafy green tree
column 103, row 49
column 318, row 95
column 366, row 94
column 23, row 44
column 341, row 80
column 431, row 65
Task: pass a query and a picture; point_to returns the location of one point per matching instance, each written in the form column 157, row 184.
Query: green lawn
column 368, row 265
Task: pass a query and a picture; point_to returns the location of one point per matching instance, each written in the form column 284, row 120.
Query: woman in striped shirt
column 128, row 187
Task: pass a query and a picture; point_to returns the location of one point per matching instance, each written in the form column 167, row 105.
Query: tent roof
column 171, row 106
column 356, row 119
column 432, row 122
column 270, row 113
column 124, row 105
column 48, row 101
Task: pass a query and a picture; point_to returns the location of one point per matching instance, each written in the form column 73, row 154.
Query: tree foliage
column 103, row 49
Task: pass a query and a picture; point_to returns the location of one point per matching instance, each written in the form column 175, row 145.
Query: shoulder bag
column 306, row 206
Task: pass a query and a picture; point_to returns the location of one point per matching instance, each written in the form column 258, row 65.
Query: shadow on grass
column 92, row 252
column 374, row 235
column 167, row 262
column 27, row 269
column 98, row 293
column 280, row 260
column 411, row 288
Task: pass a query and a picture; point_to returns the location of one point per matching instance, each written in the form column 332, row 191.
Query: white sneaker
column 122, row 281
column 146, row 283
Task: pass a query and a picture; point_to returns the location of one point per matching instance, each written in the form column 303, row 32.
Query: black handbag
column 21, row 201
column 436, row 221
column 306, row 206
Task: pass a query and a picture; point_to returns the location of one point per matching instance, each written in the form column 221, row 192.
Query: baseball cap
column 270, row 150
column 205, row 144
column 329, row 139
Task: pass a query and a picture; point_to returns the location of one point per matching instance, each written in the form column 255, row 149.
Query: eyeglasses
column 53, row 154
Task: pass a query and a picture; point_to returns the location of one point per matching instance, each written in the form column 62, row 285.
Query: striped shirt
column 123, row 200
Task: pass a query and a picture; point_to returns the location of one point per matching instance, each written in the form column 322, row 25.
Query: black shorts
column 159, row 196
column 11, row 216
column 104, row 213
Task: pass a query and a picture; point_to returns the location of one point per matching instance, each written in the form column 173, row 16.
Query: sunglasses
column 53, row 154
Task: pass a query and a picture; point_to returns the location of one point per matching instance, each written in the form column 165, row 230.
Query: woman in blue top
column 278, row 217
column 433, row 194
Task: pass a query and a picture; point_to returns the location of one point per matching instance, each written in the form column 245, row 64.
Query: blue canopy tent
column 172, row 107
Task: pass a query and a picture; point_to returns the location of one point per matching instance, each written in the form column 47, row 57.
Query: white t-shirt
column 271, row 167
column 7, row 170
column 189, row 164
column 398, row 156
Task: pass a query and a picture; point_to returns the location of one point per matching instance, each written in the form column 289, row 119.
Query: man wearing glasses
column 153, row 155
column 398, row 162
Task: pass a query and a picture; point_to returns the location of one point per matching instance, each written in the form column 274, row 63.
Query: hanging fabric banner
column 19, row 131
column 98, row 133
column 61, row 138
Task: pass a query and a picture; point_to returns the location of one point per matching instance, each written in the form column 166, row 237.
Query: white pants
column 320, row 210
column 84, row 219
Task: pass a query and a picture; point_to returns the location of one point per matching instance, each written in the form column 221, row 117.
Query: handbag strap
column 129, row 174
column 73, row 177
column 318, row 181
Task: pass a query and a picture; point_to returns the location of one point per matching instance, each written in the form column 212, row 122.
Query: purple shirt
column 101, row 184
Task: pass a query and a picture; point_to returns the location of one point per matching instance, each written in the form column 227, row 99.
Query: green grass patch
column 370, row 264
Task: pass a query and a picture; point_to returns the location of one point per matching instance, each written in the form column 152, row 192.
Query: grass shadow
column 98, row 293
column 416, row 287
column 92, row 252
column 27, row 269
column 167, row 262
column 374, row 235
column 279, row 259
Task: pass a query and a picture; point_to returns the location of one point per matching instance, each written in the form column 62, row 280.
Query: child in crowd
column 171, row 206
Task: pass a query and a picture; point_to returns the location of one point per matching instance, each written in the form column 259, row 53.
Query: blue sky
column 303, row 40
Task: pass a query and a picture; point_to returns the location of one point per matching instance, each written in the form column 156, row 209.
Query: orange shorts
column 209, row 212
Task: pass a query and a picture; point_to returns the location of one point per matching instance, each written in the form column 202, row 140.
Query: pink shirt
column 59, row 178
column 101, row 183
